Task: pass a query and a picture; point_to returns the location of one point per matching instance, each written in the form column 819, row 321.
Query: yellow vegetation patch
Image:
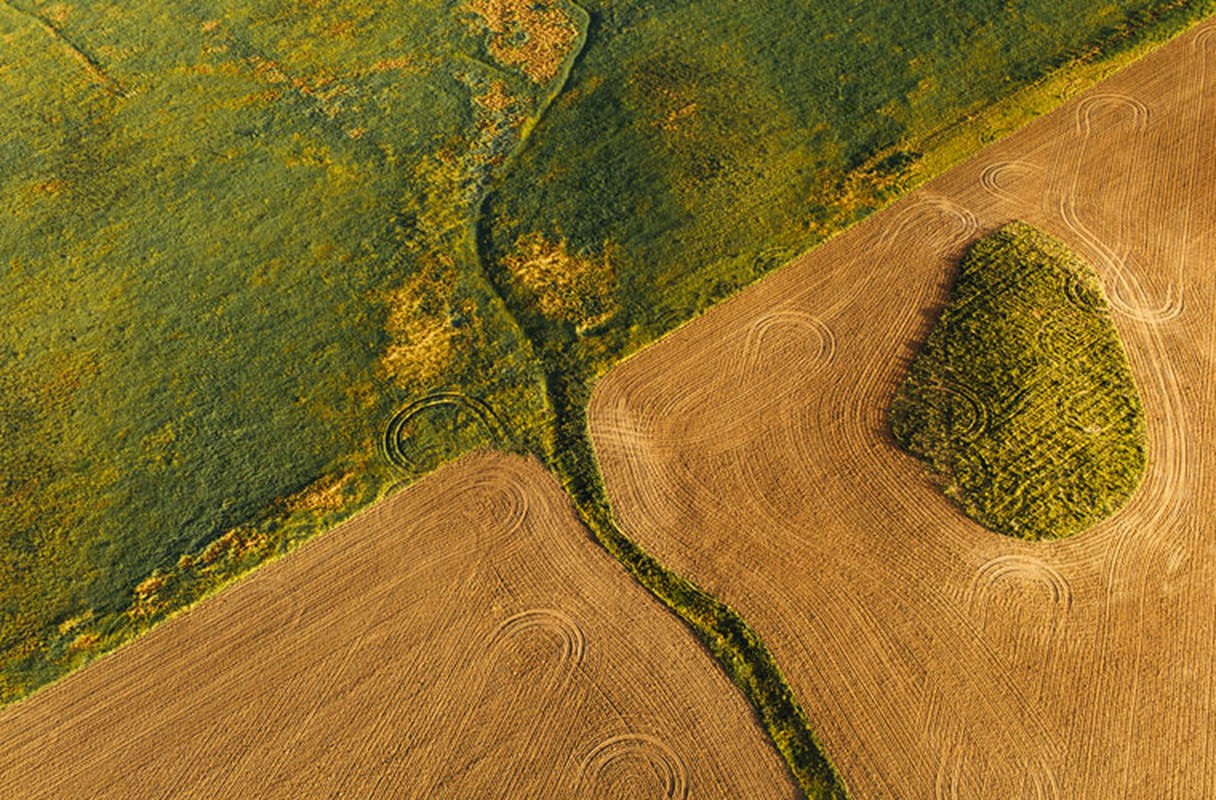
column 497, row 111
column 157, row 447
column 69, row 625
column 323, row 495
column 343, row 30
column 671, row 121
column 150, row 586
column 233, row 544
column 574, row 288
column 254, row 100
column 533, row 37
column 58, row 14
column 85, row 641
column 51, row 187
column 420, row 331
column 390, row 65
column 495, row 97
column 147, row 603
column 324, row 89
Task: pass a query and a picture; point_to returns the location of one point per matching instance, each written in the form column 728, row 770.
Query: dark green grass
column 198, row 272
column 1022, row 399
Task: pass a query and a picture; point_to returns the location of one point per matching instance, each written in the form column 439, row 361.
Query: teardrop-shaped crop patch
column 1022, row 399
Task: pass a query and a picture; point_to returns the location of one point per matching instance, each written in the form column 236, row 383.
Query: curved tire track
column 645, row 759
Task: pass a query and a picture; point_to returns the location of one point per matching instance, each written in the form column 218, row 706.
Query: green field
column 264, row 262
column 234, row 248
column 1022, row 399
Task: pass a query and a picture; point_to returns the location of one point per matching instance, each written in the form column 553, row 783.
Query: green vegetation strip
column 736, row 646
column 1022, row 398
column 569, row 453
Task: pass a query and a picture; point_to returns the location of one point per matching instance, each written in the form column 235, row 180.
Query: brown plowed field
column 463, row 639
column 749, row 451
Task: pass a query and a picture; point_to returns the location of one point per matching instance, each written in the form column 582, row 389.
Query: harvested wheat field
column 464, row 638
column 751, row 452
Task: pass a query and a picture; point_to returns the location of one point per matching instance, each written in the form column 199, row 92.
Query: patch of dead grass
column 564, row 286
column 533, row 37
column 420, row 331
column 323, row 495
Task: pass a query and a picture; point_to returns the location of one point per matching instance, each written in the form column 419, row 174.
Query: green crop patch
column 237, row 247
column 1022, row 399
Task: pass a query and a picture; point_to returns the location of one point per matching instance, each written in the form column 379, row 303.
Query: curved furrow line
column 964, row 773
column 1018, row 568
column 996, row 177
column 394, row 444
column 1159, row 503
column 546, row 622
column 642, row 759
column 1125, row 292
column 961, row 224
column 500, row 496
column 1098, row 102
column 809, row 338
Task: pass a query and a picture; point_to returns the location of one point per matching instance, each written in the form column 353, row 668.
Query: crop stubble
column 464, row 638
column 935, row 658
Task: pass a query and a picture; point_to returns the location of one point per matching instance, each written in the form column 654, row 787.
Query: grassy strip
column 569, row 453
column 735, row 645
column 1022, row 399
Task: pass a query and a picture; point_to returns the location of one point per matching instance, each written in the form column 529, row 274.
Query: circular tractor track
column 394, row 442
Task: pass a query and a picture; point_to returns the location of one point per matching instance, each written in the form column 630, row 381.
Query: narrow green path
column 736, row 646
column 738, row 649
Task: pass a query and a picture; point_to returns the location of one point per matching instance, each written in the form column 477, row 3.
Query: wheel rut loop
column 633, row 759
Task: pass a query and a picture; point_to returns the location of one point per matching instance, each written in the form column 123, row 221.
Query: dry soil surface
column 750, row 452
column 463, row 639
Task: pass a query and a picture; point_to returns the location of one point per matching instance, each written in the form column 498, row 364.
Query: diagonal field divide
column 781, row 330
column 937, row 659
